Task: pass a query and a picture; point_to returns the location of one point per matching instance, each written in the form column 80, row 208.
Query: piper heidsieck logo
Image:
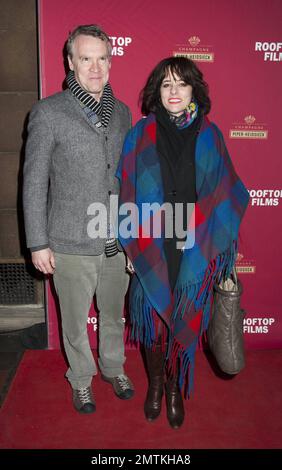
column 244, row 265
column 194, row 50
column 248, row 129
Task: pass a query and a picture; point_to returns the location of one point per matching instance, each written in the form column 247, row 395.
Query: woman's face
column 175, row 94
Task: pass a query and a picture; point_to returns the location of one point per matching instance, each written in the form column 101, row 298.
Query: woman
column 176, row 155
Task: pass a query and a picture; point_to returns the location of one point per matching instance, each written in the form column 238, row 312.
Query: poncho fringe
column 144, row 319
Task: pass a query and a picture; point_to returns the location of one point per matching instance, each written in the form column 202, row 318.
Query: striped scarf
column 103, row 109
column 221, row 203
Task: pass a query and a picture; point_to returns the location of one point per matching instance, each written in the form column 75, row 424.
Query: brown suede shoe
column 83, row 400
column 122, row 386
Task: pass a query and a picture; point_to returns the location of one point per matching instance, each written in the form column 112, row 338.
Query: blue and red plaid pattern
column 221, row 203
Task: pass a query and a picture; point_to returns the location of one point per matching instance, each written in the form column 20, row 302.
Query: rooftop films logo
column 271, row 51
column 94, row 322
column 120, row 44
column 194, row 50
column 265, row 197
column 244, row 265
column 259, row 325
column 248, row 129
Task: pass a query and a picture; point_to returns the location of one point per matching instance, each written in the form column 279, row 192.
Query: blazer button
column 109, row 193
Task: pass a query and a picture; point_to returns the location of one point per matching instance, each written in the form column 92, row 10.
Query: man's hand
column 44, row 260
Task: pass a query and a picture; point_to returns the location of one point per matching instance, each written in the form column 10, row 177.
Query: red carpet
column 244, row 412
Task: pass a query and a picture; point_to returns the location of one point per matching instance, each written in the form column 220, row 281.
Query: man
column 74, row 143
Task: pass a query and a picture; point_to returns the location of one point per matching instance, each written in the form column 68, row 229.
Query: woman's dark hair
column 187, row 70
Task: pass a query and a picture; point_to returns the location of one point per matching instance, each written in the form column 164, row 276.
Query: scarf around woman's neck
column 174, row 142
column 103, row 109
column 221, row 203
column 187, row 117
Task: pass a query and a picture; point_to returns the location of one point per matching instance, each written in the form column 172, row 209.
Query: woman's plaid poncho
column 221, row 203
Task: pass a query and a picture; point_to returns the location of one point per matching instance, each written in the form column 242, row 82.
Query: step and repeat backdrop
column 238, row 46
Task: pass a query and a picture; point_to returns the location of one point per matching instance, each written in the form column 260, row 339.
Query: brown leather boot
column 174, row 402
column 155, row 364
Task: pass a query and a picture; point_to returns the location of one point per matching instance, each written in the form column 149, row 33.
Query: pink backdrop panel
column 238, row 46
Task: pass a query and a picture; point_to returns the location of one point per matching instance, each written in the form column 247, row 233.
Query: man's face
column 91, row 64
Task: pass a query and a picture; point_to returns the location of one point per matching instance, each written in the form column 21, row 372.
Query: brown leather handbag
column 225, row 330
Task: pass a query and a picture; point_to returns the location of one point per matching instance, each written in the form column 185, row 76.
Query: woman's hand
column 129, row 266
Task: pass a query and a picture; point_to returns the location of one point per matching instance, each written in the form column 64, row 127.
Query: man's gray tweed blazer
column 69, row 165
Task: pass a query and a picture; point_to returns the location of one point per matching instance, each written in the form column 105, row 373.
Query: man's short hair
column 88, row 30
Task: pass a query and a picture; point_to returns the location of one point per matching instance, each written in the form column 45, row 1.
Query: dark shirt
column 176, row 149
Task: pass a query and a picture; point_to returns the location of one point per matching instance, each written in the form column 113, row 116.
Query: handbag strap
column 235, row 277
column 230, row 284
